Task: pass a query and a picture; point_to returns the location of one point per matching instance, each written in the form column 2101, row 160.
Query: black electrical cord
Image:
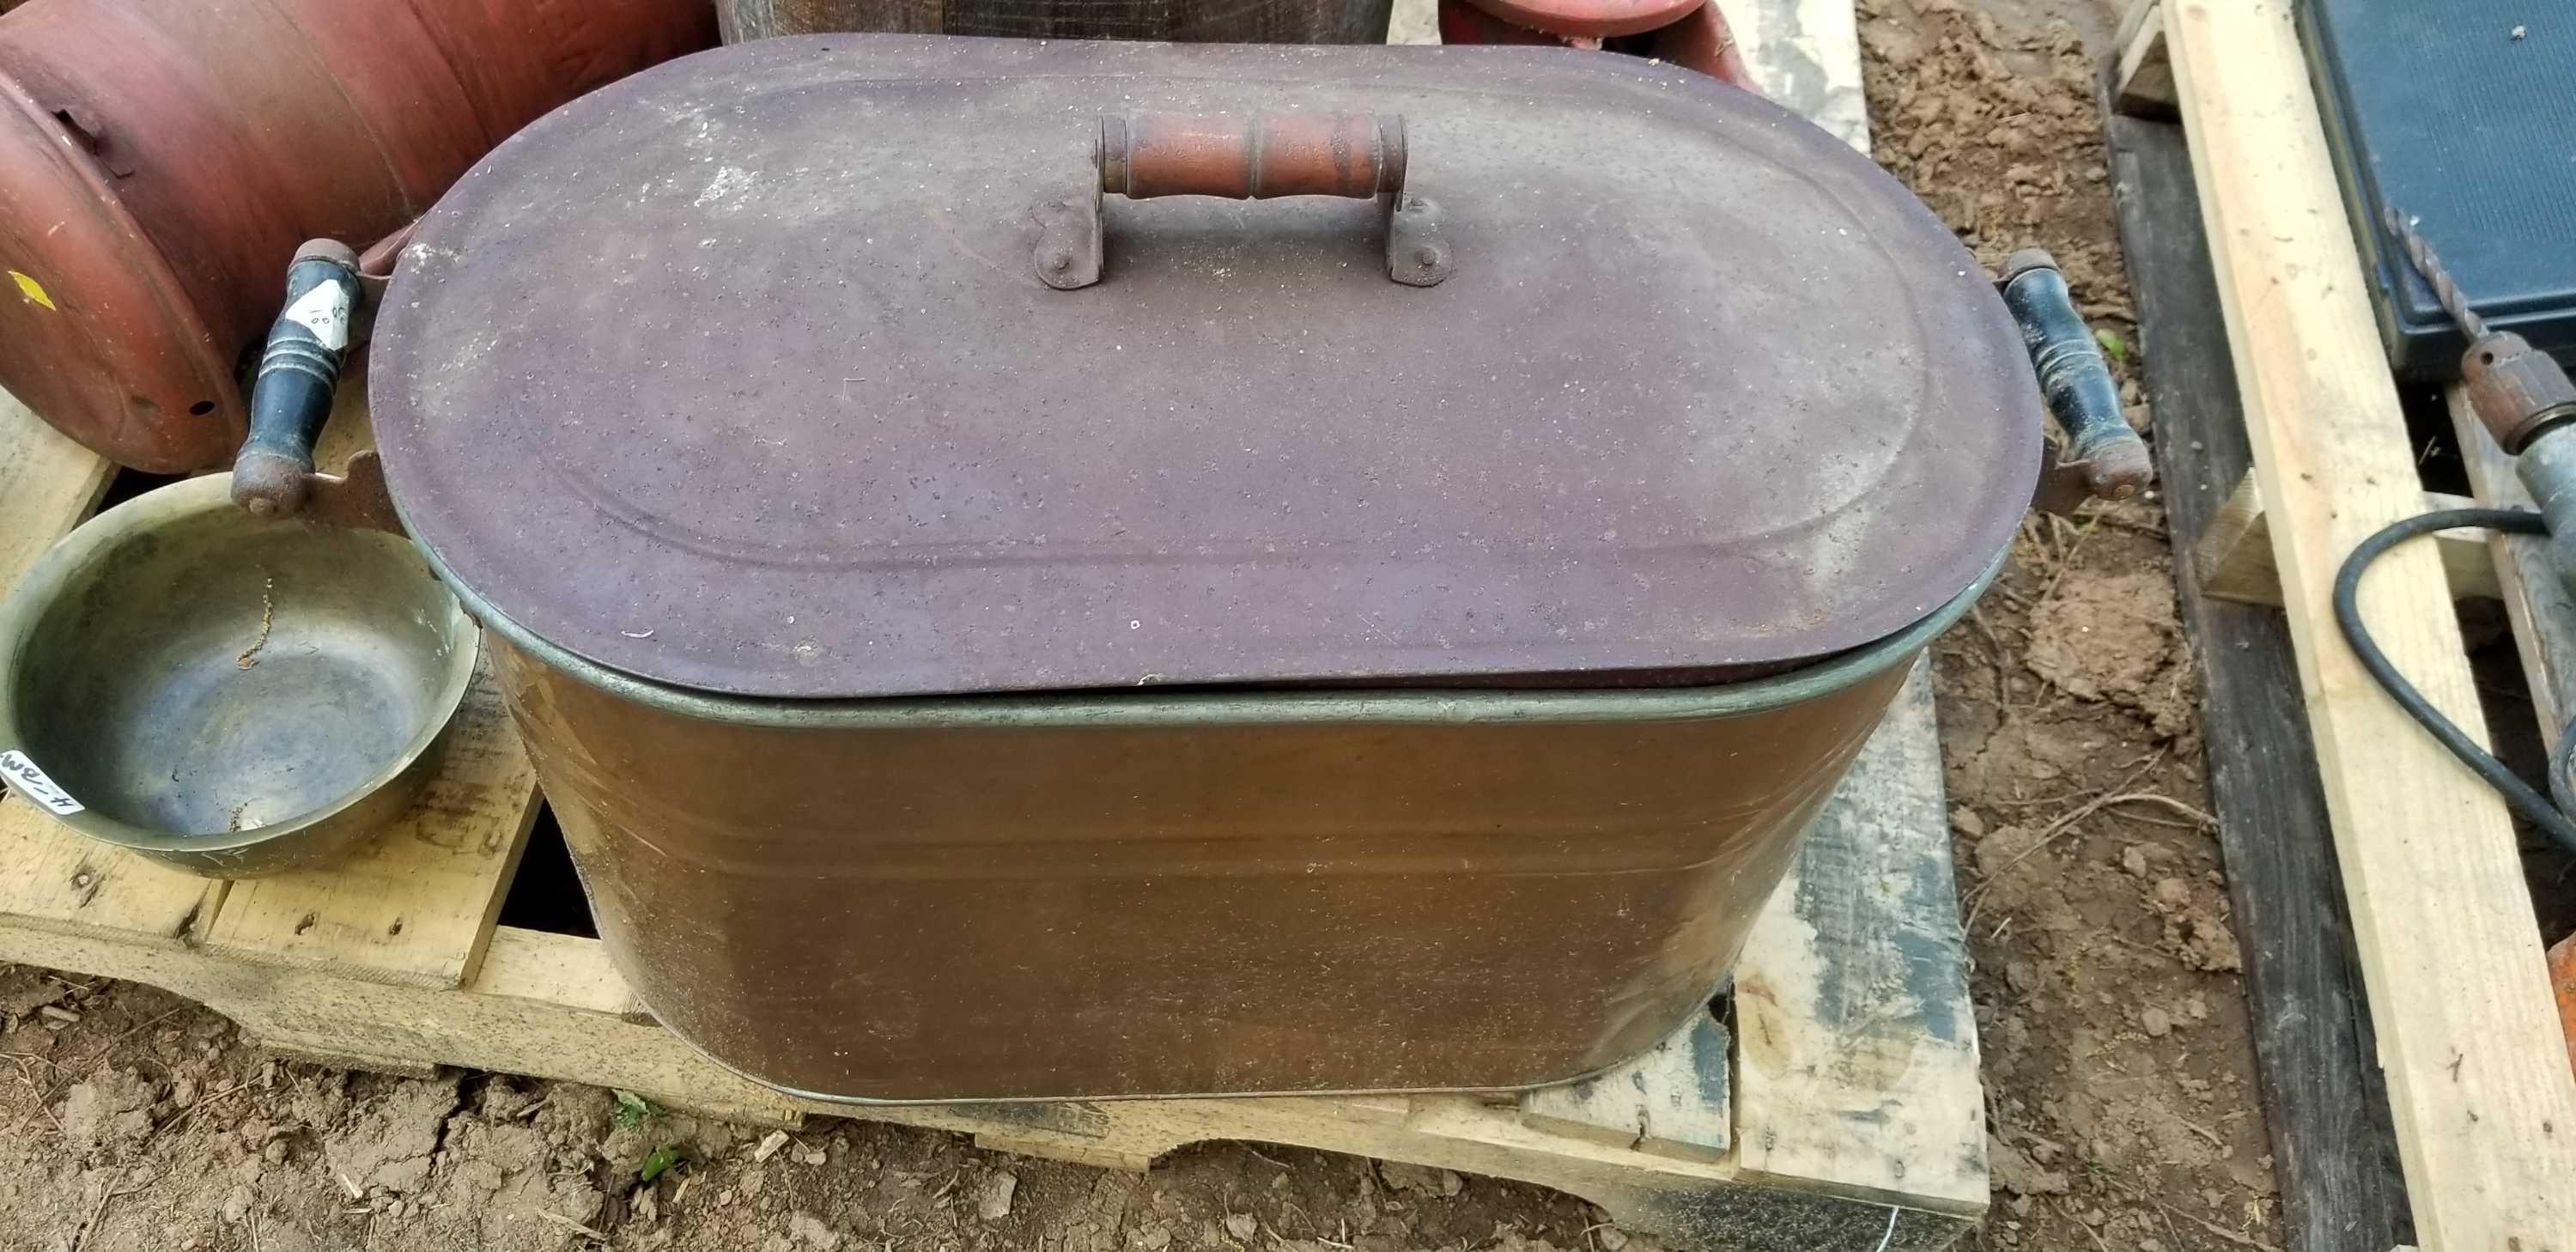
column 2347, row 606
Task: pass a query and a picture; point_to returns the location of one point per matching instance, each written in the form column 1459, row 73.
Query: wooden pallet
column 1843, row 1104
column 2460, row 1024
column 1838, row 1105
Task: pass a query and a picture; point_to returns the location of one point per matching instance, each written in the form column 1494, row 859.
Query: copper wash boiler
column 1063, row 569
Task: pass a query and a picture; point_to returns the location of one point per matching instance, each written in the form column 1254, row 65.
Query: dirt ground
column 2120, row 1080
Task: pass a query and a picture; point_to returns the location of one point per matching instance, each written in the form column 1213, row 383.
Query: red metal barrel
column 1690, row 33
column 161, row 159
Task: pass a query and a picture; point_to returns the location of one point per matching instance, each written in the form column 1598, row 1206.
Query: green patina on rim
column 1145, row 707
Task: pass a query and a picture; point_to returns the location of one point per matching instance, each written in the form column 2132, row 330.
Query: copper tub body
column 160, row 161
column 1203, row 894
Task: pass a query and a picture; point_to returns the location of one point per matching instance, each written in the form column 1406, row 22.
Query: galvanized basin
column 227, row 695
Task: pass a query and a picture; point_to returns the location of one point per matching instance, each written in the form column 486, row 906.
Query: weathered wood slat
column 1673, row 1100
column 2322, row 1096
column 2142, row 82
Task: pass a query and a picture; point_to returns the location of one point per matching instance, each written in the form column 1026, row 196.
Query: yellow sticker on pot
column 34, row 290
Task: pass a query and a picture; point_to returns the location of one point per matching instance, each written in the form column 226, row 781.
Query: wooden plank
column 1806, row 56
column 60, row 880
column 417, row 902
column 2535, row 597
column 1671, row 1101
column 2233, row 555
column 2142, row 82
column 545, row 1005
column 47, row 485
column 2482, row 1100
column 1856, row 1043
column 2323, row 1102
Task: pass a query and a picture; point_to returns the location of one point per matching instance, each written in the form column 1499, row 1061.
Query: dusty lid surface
column 740, row 375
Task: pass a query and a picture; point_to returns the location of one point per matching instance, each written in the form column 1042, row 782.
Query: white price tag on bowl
column 24, row 778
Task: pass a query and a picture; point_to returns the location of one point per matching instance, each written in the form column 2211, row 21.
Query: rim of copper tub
column 111, row 272
column 1146, row 706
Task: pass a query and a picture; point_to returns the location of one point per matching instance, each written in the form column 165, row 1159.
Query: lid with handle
column 849, row 366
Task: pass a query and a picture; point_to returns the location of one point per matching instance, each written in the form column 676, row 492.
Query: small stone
column 769, row 1146
column 275, row 1152
column 2134, row 859
column 237, row 1204
column 1241, row 1226
column 993, row 1199
column 1612, row 1238
column 183, row 1091
column 1968, row 822
column 2150, row 1245
column 2158, row 1023
column 1417, row 1178
column 813, row 1156
column 1154, row 1238
column 807, row 1229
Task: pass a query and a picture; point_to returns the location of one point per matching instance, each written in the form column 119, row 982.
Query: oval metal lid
column 737, row 375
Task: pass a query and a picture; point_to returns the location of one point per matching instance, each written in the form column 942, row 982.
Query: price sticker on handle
column 24, row 778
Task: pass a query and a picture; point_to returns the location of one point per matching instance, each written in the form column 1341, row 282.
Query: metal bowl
column 230, row 695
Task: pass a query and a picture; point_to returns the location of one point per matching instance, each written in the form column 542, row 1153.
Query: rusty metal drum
column 1074, row 569
column 160, row 161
